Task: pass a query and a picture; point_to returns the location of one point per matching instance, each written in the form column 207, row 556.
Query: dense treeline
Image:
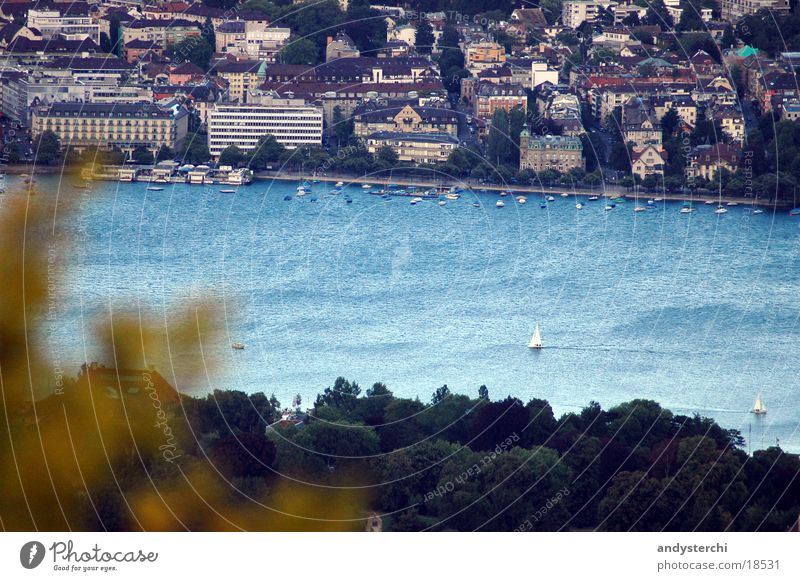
column 465, row 463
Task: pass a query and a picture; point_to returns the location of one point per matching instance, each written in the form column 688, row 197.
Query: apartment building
column 550, row 152
column 734, row 10
column 484, row 55
column 71, row 21
column 489, row 97
column 291, row 121
column 381, row 117
column 241, row 77
column 160, row 32
column 576, row 12
column 112, row 126
column 427, row 148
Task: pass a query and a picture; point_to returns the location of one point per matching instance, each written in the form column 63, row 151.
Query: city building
column 71, row 21
column 489, row 97
column 706, row 161
column 381, row 117
column 734, row 10
column 341, row 47
column 415, row 147
column 125, row 127
column 291, row 121
column 647, row 161
column 160, row 32
column 241, row 76
column 550, row 152
column 576, row 12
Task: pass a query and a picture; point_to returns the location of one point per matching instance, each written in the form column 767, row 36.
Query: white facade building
column 291, row 121
column 71, row 26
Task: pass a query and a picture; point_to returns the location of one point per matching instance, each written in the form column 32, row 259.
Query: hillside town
column 670, row 95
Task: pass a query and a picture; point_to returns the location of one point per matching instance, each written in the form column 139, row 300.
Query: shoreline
column 604, row 191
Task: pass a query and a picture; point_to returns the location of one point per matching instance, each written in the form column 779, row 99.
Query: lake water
column 698, row 312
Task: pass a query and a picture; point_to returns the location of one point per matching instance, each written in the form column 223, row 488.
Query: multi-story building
column 489, row 97
column 160, row 32
column 376, row 117
column 733, row 10
column 647, row 161
column 126, row 127
column 69, row 20
column 706, row 161
column 484, row 55
column 550, row 152
column 341, row 47
column 640, row 125
column 291, row 121
column 250, row 39
column 415, row 147
column 241, row 77
column 576, row 12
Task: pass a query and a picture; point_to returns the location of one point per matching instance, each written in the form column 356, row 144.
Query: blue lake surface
column 698, row 312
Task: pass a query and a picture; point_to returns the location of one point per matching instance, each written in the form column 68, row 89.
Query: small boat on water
column 639, row 209
column 504, row 193
column 522, row 200
column 709, row 202
column 687, row 210
column 287, row 198
column 500, row 203
column 794, row 212
column 543, row 205
column 366, row 187
column 565, row 195
column 476, row 204
column 339, row 184
column 452, row 196
column 536, row 339
column 619, row 200
column 758, row 211
column 237, row 345
column 155, row 189
column 579, row 206
column 650, row 203
column 659, row 199
column 227, row 191
column 608, row 208
column 442, row 202
column 594, row 198
column 758, row 407
column 721, row 210
column 348, row 200
column 551, row 199
column 732, row 204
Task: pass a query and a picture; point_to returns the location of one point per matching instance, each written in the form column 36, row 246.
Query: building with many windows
column 734, row 10
column 376, row 116
column 67, row 20
column 415, row 147
column 291, row 121
column 550, row 152
column 126, row 127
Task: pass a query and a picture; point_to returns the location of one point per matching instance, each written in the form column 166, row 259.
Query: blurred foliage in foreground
column 118, row 448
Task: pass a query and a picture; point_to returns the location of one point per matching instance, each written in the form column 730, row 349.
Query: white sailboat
column 536, row 339
column 758, row 407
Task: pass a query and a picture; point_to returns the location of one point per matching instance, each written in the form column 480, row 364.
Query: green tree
column 165, row 153
column 232, row 156
column 194, row 49
column 299, row 51
column 142, row 155
column 386, row 157
column 342, row 126
column 194, row 149
column 48, row 148
column 267, row 151
column 498, row 145
column 424, row 38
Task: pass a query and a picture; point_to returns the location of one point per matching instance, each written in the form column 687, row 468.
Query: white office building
column 291, row 121
column 53, row 22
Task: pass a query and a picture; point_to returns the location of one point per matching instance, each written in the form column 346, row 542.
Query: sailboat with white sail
column 758, row 407
column 536, row 339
